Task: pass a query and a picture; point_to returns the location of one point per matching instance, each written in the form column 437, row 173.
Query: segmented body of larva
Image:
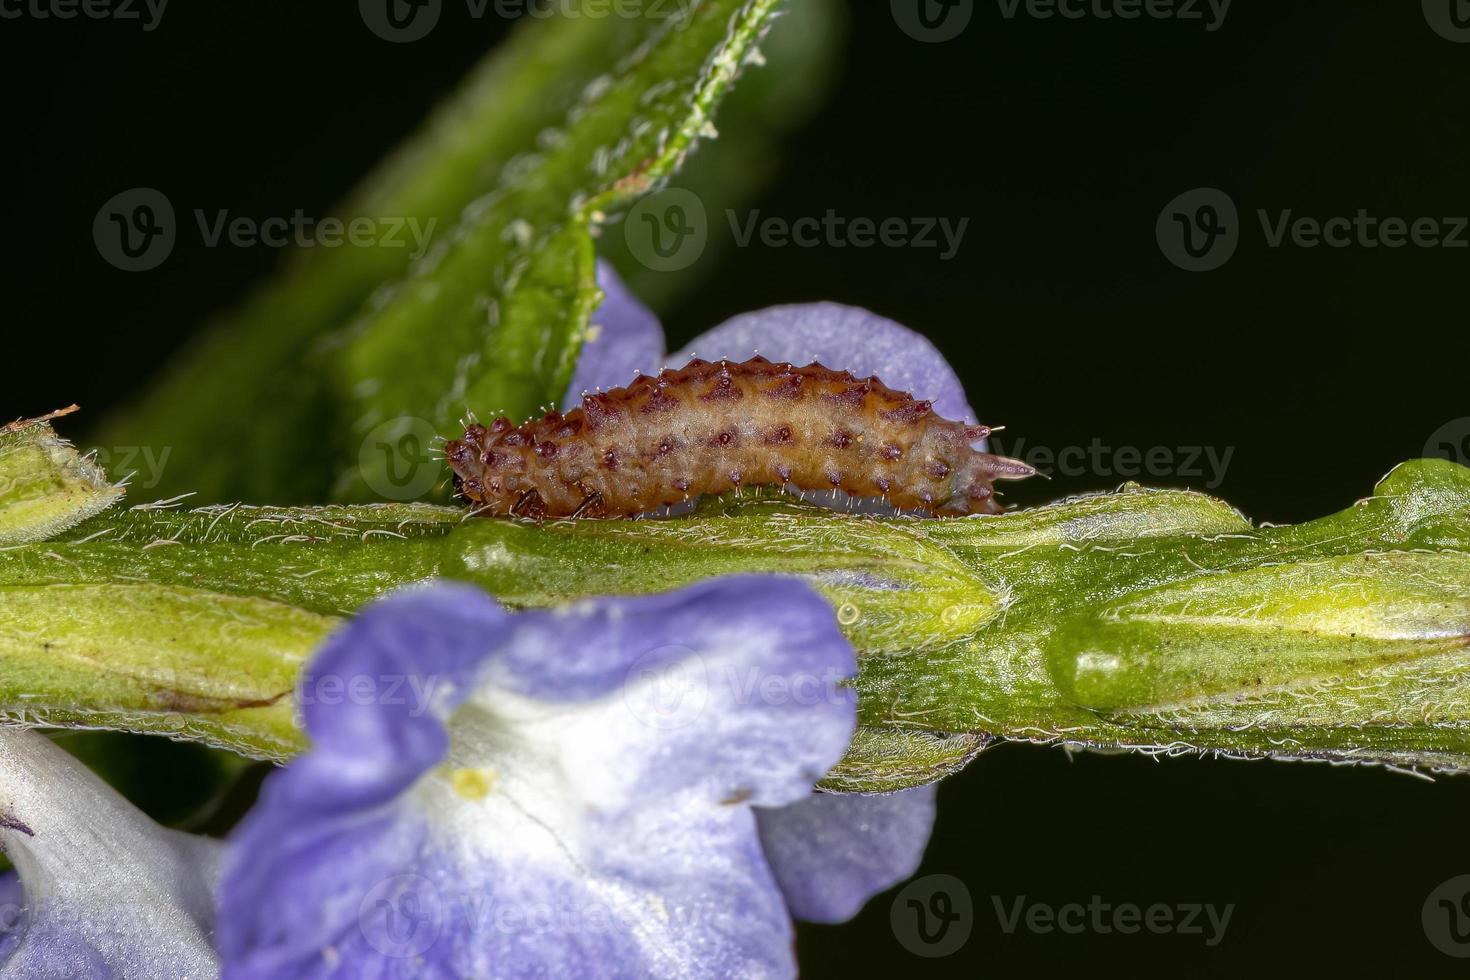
column 711, row 426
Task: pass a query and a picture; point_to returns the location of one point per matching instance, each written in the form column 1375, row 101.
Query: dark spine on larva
column 708, row 427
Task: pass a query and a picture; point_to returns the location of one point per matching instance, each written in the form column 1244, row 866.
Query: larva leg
column 591, row 506
column 530, row 506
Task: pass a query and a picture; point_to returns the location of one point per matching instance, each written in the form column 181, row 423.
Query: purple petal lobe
column 832, row 852
column 575, row 805
column 844, row 338
column 12, row 913
column 625, row 337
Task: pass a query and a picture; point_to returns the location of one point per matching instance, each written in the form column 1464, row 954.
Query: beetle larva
column 711, row 426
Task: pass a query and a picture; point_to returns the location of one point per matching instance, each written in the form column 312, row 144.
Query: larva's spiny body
column 708, row 427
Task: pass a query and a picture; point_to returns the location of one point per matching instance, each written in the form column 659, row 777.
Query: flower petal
column 844, row 338
column 12, row 914
column 580, row 812
column 103, row 891
column 832, row 852
column 372, row 701
column 625, row 337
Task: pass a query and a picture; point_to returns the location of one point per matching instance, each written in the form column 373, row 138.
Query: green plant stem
column 1151, row 620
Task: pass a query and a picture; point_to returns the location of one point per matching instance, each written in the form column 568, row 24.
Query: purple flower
column 101, row 890
column 620, row 788
column 553, row 794
column 830, row 853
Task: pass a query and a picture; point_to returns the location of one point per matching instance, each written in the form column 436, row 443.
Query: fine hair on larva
column 709, row 427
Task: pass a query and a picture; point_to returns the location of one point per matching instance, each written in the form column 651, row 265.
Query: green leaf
column 183, row 662
column 800, row 54
column 195, row 624
column 885, row 760
column 245, row 408
column 46, row 486
column 494, row 320
column 1241, row 634
column 272, row 402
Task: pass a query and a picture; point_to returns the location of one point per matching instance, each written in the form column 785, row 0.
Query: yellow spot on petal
column 472, row 784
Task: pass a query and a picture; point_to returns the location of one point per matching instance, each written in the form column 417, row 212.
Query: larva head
column 972, row 486
column 463, row 459
column 487, row 459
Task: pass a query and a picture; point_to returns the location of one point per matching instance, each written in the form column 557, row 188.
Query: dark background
column 1061, row 141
